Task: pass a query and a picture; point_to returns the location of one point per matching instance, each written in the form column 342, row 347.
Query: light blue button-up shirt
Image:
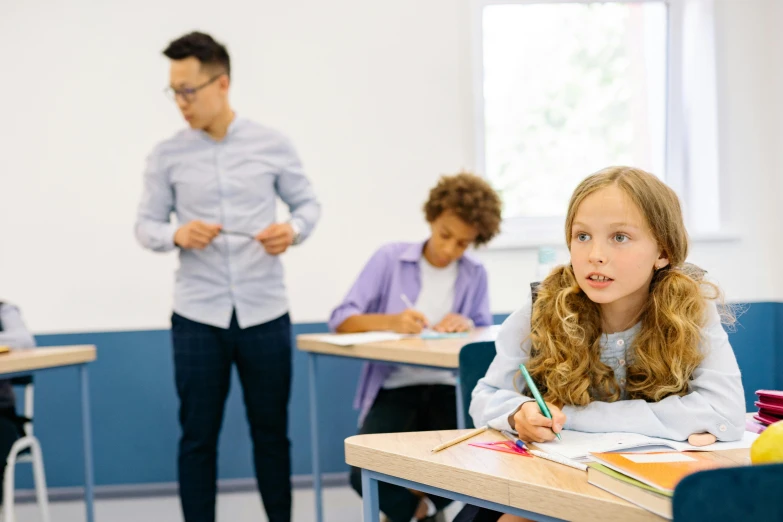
column 233, row 182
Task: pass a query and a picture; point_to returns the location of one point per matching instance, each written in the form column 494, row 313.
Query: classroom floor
column 341, row 504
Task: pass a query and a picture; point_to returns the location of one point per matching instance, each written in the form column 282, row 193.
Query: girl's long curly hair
column 566, row 325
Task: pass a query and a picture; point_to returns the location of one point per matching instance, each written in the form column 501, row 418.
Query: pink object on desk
column 766, row 419
column 770, row 409
column 754, row 426
column 770, row 397
column 505, row 446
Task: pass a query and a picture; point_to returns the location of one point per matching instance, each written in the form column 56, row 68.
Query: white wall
column 751, row 127
column 376, row 96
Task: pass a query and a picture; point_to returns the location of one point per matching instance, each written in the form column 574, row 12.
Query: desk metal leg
column 460, row 406
column 371, row 510
column 87, row 438
column 314, row 427
column 370, row 480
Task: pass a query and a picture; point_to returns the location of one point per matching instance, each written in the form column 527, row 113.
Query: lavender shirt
column 392, row 271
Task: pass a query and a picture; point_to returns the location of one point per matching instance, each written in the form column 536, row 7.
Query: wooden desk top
column 533, row 484
column 443, row 353
column 49, row 357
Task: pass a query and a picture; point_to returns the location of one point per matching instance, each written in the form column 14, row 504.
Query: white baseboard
column 165, row 489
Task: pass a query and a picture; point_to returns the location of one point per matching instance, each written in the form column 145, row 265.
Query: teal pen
column 536, row 395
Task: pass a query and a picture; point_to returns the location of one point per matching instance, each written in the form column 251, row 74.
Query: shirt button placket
column 224, row 195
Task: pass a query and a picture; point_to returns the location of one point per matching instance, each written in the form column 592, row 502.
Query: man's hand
column 196, row 234
column 276, row 238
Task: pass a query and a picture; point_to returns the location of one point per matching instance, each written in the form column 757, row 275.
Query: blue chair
column 474, row 359
column 744, row 493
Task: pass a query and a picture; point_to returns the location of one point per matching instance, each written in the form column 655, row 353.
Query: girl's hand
column 701, row 439
column 532, row 426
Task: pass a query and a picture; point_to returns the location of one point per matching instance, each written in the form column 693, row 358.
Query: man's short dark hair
column 202, row 47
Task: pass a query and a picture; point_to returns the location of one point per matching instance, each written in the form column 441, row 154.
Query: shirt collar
column 232, row 128
column 414, row 253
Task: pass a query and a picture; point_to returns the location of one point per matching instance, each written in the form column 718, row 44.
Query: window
column 567, row 88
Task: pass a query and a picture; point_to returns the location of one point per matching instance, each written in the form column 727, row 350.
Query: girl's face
column 613, row 251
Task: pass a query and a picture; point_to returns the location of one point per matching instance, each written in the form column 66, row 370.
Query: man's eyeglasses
column 189, row 94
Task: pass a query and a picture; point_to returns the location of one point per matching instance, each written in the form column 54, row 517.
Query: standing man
column 221, row 177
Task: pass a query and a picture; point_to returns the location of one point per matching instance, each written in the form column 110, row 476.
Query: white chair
column 25, row 450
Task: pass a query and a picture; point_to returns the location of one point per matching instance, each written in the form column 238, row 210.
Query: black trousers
column 203, row 356
column 477, row 514
column 410, row 408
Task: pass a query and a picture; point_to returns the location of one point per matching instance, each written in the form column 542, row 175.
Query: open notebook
column 578, row 445
column 374, row 337
column 360, row 338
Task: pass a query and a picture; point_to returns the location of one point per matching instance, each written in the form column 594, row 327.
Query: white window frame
column 532, row 232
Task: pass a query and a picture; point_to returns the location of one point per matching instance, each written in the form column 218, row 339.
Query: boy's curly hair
column 471, row 198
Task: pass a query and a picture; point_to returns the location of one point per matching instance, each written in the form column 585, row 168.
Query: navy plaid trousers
column 203, row 356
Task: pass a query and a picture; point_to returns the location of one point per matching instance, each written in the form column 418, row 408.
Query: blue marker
column 510, row 436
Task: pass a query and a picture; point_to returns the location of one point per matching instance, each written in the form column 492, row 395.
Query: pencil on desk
column 560, row 460
column 459, row 439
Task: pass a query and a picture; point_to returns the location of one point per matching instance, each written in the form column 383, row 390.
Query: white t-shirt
column 435, row 301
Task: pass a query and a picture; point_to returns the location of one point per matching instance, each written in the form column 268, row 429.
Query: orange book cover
column 659, row 470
